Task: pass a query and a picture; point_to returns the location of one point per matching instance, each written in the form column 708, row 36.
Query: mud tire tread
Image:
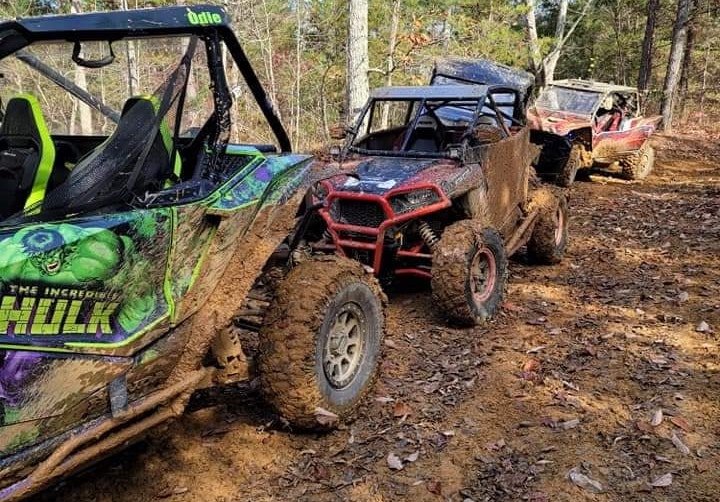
column 639, row 165
column 569, row 171
column 288, row 337
column 450, row 272
column 542, row 247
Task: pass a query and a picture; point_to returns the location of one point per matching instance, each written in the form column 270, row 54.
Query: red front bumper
column 371, row 237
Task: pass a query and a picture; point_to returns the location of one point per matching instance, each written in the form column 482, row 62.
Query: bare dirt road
column 603, row 369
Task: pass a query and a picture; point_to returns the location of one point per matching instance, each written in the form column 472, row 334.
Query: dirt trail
column 584, row 358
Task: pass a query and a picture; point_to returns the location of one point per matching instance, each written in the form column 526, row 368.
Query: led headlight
column 410, row 201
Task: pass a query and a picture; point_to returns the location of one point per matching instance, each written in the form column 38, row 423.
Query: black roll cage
column 134, row 24
column 477, row 112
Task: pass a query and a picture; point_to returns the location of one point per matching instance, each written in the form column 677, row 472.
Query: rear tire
column 639, row 165
column 321, row 340
column 469, row 273
column 569, row 171
column 549, row 236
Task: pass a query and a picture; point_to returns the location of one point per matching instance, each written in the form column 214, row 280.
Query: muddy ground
column 605, row 366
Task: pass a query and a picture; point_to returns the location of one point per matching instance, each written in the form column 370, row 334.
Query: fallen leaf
column 584, row 481
column 390, row 343
column 570, row 424
column 325, row 417
column 657, row 417
column 681, row 422
column 169, row 492
column 401, row 410
column 434, row 487
column 394, row 462
column 413, row 456
column 664, row 480
column 496, row 446
column 570, row 385
column 704, row 465
column 555, row 331
column 679, row 444
column 703, row 327
column 535, row 350
column 645, row 427
column 384, row 399
column 548, row 422
column 683, row 296
column 511, row 307
column 532, row 365
column 537, row 322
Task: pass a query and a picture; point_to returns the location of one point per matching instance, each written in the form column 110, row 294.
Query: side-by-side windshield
column 138, row 68
column 568, row 100
column 394, row 124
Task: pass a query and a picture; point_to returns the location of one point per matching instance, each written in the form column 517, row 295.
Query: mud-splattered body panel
column 88, row 305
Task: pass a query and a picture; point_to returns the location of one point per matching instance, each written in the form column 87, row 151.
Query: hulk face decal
column 46, row 249
column 88, row 281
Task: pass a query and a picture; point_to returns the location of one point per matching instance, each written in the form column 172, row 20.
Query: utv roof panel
column 592, row 86
column 431, row 92
column 119, row 24
column 484, row 71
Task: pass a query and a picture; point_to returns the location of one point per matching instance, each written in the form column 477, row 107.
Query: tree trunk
column 647, row 46
column 551, row 60
column 357, row 57
column 447, row 30
column 545, row 67
column 535, row 54
column 81, row 111
column 132, row 65
column 685, row 72
column 390, row 62
column 298, row 68
column 677, row 53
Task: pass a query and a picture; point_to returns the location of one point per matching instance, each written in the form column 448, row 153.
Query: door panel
column 92, row 281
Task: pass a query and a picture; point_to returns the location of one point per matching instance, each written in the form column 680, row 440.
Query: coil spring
column 427, row 234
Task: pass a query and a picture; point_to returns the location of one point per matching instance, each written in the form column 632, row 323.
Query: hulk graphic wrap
column 90, row 281
column 62, row 254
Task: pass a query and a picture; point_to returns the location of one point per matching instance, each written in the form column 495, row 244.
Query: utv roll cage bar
column 482, row 94
column 208, row 22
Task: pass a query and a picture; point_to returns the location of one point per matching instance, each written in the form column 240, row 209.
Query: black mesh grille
column 359, row 212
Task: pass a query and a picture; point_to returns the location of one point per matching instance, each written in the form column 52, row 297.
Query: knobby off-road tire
column 569, row 171
column 549, row 236
column 321, row 340
column 639, row 165
column 469, row 273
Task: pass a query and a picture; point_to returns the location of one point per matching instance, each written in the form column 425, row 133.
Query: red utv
column 579, row 124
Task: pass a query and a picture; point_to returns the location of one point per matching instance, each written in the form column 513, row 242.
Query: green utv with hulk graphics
column 135, row 231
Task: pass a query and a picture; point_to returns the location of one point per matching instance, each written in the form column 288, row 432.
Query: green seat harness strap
column 47, row 155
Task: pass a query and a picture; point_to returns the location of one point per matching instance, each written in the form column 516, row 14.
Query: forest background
column 305, row 51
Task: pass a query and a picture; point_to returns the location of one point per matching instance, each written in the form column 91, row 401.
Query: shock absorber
column 427, row 234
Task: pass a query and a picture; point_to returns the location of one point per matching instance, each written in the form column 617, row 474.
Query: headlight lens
column 406, row 202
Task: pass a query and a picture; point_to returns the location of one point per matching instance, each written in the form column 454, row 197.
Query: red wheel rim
column 483, row 274
column 559, row 229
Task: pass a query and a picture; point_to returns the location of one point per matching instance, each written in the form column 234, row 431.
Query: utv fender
column 263, row 181
column 226, row 283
